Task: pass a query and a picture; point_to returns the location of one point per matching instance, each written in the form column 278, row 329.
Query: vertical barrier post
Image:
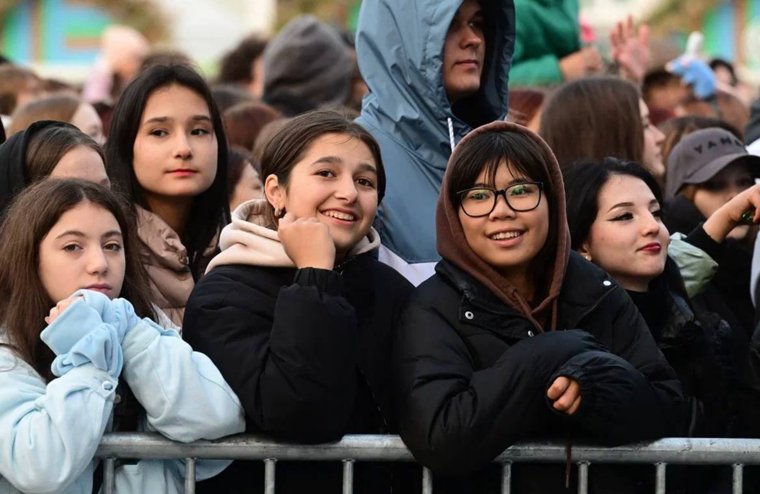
column 583, row 477
column 348, row 476
column 427, row 481
column 506, row 478
column 109, row 472
column 738, row 478
column 269, row 474
column 189, row 475
column 660, row 478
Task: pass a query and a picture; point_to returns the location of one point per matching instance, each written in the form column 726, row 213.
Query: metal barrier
column 661, row 453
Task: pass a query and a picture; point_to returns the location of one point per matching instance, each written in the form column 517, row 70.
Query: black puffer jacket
column 472, row 375
column 307, row 352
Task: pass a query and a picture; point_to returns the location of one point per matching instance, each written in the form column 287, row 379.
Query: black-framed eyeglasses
column 480, row 201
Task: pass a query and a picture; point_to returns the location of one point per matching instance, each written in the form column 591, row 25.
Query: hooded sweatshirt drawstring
column 451, row 134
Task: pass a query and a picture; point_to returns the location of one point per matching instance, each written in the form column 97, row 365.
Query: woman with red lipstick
column 164, row 150
column 516, row 337
column 296, row 310
column 615, row 218
column 80, row 355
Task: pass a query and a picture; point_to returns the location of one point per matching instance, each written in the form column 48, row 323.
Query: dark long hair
column 584, row 180
column 210, row 209
column 593, row 118
column 25, row 301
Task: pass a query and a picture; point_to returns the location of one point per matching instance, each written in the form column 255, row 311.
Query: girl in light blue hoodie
column 77, row 361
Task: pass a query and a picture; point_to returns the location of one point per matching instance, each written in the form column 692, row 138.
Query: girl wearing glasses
column 515, row 337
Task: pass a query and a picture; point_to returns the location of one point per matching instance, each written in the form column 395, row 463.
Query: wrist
column 718, row 226
column 316, row 265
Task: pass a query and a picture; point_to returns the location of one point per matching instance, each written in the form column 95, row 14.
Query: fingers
column 644, row 34
column 566, row 394
column 574, row 406
column 558, row 387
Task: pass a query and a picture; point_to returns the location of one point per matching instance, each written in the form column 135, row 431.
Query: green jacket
column 546, row 31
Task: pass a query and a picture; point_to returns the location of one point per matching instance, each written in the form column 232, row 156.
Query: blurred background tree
column 683, row 15
column 142, row 15
column 340, row 13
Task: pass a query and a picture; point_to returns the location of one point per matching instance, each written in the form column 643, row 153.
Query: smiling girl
column 164, row 152
column 296, row 310
column 80, row 356
column 515, row 337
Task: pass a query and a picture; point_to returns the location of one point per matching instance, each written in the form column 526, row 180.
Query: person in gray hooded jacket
column 435, row 70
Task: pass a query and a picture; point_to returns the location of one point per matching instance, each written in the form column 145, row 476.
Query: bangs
column 522, row 156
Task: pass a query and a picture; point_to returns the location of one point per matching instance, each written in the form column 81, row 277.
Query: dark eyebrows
column 621, row 205
column 367, row 167
column 334, row 160
column 160, row 120
column 514, row 181
column 77, row 233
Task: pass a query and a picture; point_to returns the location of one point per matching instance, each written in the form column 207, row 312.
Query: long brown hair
column 593, row 118
column 25, row 302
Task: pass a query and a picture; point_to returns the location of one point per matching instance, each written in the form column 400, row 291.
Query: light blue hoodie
column 49, row 432
column 399, row 46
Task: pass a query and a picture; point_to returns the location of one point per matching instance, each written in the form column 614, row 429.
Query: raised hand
column 743, row 208
column 307, row 242
column 630, row 49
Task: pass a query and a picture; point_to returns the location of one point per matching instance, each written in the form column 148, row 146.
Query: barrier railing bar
column 738, row 478
column 189, row 475
column 109, row 473
column 506, row 478
column 427, row 481
column 659, row 478
column 269, row 475
column 348, row 476
column 583, row 477
column 687, row 451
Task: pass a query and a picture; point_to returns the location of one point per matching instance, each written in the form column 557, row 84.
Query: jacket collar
column 585, row 285
column 247, row 241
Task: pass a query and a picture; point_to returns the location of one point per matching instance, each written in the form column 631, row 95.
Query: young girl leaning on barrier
column 517, row 338
column 297, row 312
column 80, row 355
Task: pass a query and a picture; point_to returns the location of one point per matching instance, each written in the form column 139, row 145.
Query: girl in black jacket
column 296, row 311
column 515, row 338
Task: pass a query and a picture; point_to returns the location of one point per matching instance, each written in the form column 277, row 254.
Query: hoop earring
column 587, row 257
column 277, row 212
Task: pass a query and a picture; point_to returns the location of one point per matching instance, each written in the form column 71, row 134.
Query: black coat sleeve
column 632, row 395
column 287, row 351
column 456, row 419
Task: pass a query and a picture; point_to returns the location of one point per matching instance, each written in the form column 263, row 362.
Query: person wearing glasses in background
column 516, row 337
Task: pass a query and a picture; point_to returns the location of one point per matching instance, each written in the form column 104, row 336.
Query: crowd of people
column 462, row 224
